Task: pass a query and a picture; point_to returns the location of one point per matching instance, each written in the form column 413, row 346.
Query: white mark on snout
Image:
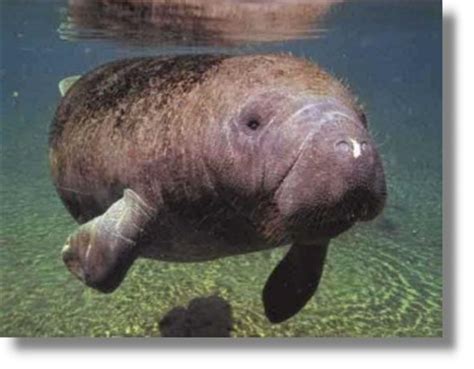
column 355, row 148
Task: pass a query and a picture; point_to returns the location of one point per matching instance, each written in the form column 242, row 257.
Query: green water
column 382, row 278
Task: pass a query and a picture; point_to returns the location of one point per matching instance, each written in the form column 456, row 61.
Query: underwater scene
column 370, row 66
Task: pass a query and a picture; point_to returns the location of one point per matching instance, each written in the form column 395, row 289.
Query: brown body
column 223, row 156
column 143, row 124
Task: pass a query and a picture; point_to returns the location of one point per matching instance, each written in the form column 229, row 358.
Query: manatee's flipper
column 65, row 84
column 102, row 250
column 294, row 281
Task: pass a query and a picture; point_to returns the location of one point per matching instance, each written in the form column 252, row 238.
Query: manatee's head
column 334, row 176
column 298, row 156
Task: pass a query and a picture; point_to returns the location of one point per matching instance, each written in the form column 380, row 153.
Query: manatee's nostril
column 364, row 146
column 343, row 146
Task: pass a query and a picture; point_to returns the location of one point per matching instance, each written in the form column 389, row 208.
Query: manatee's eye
column 252, row 120
column 253, row 124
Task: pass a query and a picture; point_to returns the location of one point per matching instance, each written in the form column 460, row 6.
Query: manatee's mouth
column 330, row 220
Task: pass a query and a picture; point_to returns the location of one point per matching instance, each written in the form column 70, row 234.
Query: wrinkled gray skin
column 193, row 158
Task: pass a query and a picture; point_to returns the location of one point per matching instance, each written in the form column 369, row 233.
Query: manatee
column 196, row 157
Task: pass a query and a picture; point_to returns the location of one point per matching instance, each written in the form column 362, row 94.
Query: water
column 382, row 278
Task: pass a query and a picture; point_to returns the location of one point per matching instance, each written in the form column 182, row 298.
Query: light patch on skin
column 89, row 246
column 330, row 110
column 332, row 115
column 65, row 247
column 355, row 148
column 301, row 110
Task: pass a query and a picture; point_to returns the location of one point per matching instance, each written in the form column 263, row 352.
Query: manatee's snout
column 351, row 163
column 337, row 177
column 349, row 147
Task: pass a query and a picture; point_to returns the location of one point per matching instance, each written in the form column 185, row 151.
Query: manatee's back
column 111, row 121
